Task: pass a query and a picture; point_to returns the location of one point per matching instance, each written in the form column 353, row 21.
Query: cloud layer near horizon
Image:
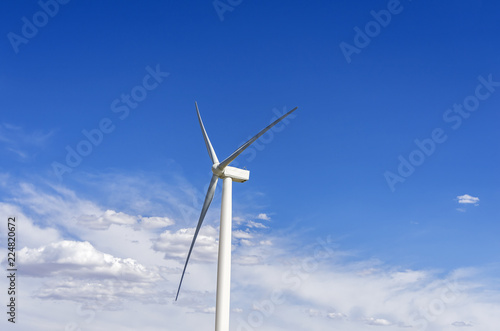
column 99, row 258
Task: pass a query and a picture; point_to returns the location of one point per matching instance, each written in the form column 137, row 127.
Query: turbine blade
column 208, row 200
column 230, row 159
column 210, row 149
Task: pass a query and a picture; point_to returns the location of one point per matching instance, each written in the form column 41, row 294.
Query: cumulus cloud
column 76, row 271
column 467, row 199
column 176, row 244
column 80, row 260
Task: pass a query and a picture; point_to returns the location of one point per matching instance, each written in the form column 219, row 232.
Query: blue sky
column 391, row 159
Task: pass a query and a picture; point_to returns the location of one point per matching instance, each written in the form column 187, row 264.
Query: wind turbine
column 228, row 174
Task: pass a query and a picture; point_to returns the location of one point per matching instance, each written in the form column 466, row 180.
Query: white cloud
column 32, row 234
column 335, row 315
column 209, row 310
column 238, row 234
column 130, row 268
column 377, row 321
column 467, row 199
column 103, row 221
column 108, row 294
column 56, row 205
column 247, row 259
column 246, row 242
column 461, row 324
column 80, row 260
column 264, row 217
column 176, row 245
column 239, row 221
column 142, row 194
column 156, row 222
column 76, row 271
column 256, row 225
column 341, row 292
column 408, row 276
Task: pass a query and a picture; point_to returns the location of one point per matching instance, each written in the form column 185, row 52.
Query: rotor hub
column 217, row 171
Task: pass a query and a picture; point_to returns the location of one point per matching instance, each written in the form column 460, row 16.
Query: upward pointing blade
column 210, row 149
column 208, row 200
column 230, row 159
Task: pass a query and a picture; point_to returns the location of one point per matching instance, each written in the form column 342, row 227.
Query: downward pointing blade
column 226, row 162
column 208, row 200
column 210, row 149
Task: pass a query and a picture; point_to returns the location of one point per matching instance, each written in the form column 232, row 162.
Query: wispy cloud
column 240, row 221
column 21, row 143
column 109, row 217
column 103, row 221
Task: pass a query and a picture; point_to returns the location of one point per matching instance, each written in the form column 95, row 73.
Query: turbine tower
column 228, row 174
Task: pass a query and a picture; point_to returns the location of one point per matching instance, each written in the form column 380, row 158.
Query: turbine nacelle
column 237, row 174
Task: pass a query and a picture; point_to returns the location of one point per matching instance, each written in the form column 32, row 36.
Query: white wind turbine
column 228, row 175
